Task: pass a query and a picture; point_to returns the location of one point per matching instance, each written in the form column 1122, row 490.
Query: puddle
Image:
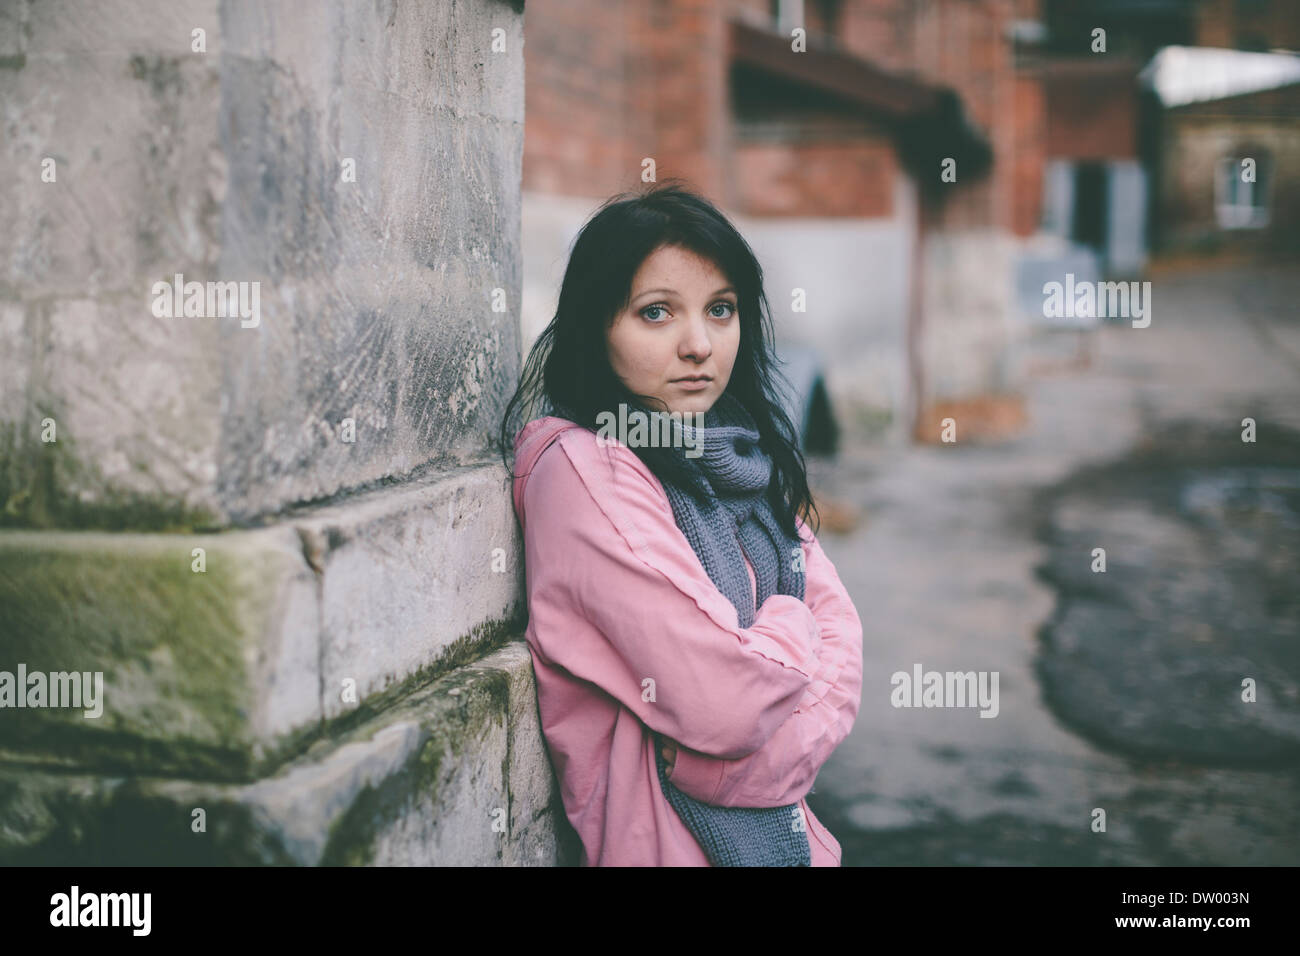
column 1233, row 493
column 1153, row 656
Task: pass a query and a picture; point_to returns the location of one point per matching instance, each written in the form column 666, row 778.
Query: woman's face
column 681, row 323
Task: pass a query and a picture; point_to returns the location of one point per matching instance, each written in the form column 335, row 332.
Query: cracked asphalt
column 1118, row 691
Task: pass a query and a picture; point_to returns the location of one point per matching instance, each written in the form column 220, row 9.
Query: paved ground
column 1118, row 691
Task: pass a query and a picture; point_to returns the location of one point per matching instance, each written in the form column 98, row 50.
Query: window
column 1241, row 191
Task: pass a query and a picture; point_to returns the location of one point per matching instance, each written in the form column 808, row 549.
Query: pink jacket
column 629, row 637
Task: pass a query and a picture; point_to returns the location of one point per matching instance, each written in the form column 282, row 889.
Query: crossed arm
column 619, row 599
column 783, row 769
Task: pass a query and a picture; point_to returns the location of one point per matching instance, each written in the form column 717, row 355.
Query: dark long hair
column 568, row 371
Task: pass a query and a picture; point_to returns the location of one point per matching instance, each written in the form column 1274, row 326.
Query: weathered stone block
column 227, row 672
column 421, row 575
column 456, row 774
column 212, row 673
column 361, row 167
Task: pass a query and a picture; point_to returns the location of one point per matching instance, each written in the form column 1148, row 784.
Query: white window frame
column 1229, row 191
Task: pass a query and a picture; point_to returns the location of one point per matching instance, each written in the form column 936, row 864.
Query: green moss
column 482, row 640
column 47, row 820
column 170, row 642
column 58, row 819
column 452, row 722
column 173, row 646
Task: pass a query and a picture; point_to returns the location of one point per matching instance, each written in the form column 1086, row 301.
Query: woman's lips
column 693, row 384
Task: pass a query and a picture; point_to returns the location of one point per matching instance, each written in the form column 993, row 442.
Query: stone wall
column 280, row 533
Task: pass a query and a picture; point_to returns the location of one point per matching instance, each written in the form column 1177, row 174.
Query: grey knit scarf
column 733, row 512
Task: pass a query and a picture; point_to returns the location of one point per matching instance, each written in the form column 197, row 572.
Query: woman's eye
column 731, row 310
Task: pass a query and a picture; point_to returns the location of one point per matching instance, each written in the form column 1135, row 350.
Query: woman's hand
column 667, row 747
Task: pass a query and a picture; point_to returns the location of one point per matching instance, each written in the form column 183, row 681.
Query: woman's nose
column 695, row 344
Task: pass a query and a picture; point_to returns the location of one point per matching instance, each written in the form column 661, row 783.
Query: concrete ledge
column 455, row 774
column 225, row 674
column 210, row 673
column 430, row 570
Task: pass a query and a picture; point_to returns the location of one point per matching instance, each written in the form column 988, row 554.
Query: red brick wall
column 578, row 111
column 1091, row 112
column 1029, row 155
column 608, row 84
column 852, row 178
column 882, row 31
column 963, row 44
column 681, row 91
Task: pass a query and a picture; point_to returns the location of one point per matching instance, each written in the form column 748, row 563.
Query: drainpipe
column 915, row 317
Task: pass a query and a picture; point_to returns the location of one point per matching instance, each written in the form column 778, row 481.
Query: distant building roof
column 1192, row 74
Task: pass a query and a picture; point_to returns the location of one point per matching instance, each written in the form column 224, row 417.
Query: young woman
column 697, row 658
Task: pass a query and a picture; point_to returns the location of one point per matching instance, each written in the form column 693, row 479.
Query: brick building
column 829, row 160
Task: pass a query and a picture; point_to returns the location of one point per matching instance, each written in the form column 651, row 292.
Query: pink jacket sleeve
column 783, row 770
column 618, row 597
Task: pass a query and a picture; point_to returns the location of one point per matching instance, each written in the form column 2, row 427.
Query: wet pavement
column 1120, row 691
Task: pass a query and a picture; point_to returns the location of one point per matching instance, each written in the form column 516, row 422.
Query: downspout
column 915, row 320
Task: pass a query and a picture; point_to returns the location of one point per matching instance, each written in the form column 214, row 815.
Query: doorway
column 1091, row 198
